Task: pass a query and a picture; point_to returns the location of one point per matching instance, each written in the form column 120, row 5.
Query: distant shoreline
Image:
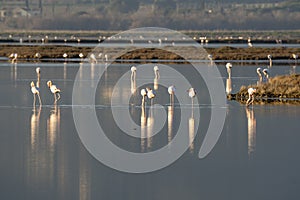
column 221, row 53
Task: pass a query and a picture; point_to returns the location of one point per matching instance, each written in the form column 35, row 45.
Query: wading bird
column 251, row 92
column 38, row 76
column 209, row 56
column 171, row 91
column 13, row 57
column 270, row 60
column 228, row 67
column 65, row 55
column 132, row 79
column 258, row 71
column 156, row 72
column 266, row 74
column 35, row 91
column 144, row 94
column 54, row 90
column 150, row 94
column 192, row 94
column 93, row 58
column 133, row 72
column 295, row 56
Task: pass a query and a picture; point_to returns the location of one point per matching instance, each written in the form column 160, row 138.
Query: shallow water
column 42, row 156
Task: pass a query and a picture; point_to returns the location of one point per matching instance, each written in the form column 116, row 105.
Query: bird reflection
column 170, row 122
column 53, row 125
column 150, row 125
column 65, row 70
column 34, row 124
column 84, row 176
column 156, row 78
column 228, row 86
column 191, row 131
column 14, row 72
column 133, row 80
column 143, row 128
column 92, row 74
column 251, row 131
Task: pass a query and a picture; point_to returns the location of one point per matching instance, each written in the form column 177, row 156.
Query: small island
column 279, row 89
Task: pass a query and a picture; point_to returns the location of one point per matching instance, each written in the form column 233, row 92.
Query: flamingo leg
column 33, row 100
column 58, row 96
column 55, row 98
column 40, row 99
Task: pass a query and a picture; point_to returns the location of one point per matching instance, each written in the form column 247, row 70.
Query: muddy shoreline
column 222, row 53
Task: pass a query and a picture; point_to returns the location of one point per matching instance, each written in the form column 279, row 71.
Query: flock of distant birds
column 263, row 74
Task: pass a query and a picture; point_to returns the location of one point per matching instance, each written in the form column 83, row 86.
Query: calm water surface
column 42, row 157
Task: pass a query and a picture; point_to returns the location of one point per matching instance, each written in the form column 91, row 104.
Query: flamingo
column 156, row 71
column 228, row 67
column 209, row 56
column 93, row 58
column 38, row 75
column 81, row 56
column 65, row 55
column 251, row 92
column 144, row 94
column 270, row 59
column 13, row 57
column 258, row 71
column 37, row 55
column 133, row 72
column 171, row 91
column 192, row 94
column 150, row 94
column 54, row 90
column 266, row 73
column 35, row 91
column 295, row 56
column 249, row 42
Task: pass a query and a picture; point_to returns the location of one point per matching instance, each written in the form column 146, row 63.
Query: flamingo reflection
column 150, row 125
column 133, row 80
column 251, row 131
column 53, row 125
column 34, row 124
column 170, row 122
column 156, row 77
column 191, row 131
column 143, row 128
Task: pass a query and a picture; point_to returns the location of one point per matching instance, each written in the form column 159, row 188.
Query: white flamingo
column 270, row 60
column 228, row 67
column 251, row 92
column 93, row 58
column 37, row 55
column 150, row 94
column 133, row 72
column 54, row 90
column 209, row 56
column 13, row 57
column 156, row 71
column 266, row 74
column 38, row 75
column 258, row 71
column 35, row 91
column 144, row 94
column 295, row 56
column 192, row 94
column 171, row 91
